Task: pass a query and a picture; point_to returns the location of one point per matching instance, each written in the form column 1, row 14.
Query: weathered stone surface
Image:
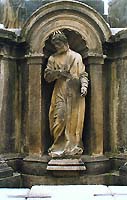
column 24, row 94
column 116, row 83
column 34, row 168
column 10, row 112
column 93, row 165
column 63, row 22
column 13, row 160
column 116, row 162
column 93, row 45
column 96, row 164
column 30, row 180
column 95, row 125
column 11, row 182
column 36, row 127
column 15, row 13
column 1, row 11
column 66, row 167
column 5, row 170
column 123, row 170
column 21, row 72
column 99, row 170
column 117, row 16
column 66, row 162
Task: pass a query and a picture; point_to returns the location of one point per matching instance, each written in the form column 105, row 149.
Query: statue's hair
column 59, row 37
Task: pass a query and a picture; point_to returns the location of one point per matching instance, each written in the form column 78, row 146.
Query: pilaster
column 36, row 146
column 96, row 104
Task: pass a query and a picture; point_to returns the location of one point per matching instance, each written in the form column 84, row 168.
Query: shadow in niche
column 75, row 40
column 86, row 128
column 77, row 44
column 47, row 89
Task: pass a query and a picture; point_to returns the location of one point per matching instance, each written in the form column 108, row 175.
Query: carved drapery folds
column 85, row 26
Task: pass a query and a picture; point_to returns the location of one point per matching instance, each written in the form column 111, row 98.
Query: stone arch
column 67, row 14
column 91, row 29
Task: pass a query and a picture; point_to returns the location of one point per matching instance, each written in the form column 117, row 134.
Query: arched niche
column 86, row 31
column 66, row 14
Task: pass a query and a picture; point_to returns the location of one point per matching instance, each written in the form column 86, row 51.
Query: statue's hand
column 66, row 74
column 61, row 73
column 83, row 91
column 56, row 74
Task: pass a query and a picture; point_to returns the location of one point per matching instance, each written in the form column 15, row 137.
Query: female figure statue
column 66, row 115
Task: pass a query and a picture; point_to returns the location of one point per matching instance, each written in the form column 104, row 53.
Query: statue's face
column 61, row 47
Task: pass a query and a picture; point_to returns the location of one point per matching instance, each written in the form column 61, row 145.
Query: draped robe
column 66, row 114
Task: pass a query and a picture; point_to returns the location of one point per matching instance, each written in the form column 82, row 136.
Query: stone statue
column 66, row 115
column 14, row 13
column 117, row 16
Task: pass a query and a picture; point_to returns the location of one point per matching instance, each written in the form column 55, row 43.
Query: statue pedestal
column 66, row 167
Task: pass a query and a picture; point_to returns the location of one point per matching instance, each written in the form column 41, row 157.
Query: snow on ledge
column 116, row 30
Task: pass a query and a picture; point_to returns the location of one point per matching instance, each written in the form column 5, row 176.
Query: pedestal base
column 66, row 167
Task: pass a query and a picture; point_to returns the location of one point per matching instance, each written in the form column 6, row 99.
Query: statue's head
column 59, row 40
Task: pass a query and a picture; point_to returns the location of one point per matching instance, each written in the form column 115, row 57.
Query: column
column 36, row 146
column 9, row 104
column 96, row 104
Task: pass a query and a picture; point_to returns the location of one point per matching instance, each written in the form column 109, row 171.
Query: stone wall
column 24, row 118
column 17, row 106
column 1, row 11
column 10, row 93
column 116, row 94
column 25, row 96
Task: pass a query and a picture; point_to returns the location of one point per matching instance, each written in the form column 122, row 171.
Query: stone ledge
column 11, row 182
column 65, row 162
column 31, row 158
column 13, row 160
column 104, row 179
column 96, row 164
column 37, row 165
column 66, row 167
column 6, row 172
column 8, row 35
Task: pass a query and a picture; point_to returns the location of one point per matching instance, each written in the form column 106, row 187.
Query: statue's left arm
column 83, row 76
column 84, row 83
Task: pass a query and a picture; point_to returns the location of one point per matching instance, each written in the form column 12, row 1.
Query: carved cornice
column 5, row 53
column 34, row 58
column 113, row 58
column 7, row 35
column 94, row 58
column 34, row 55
